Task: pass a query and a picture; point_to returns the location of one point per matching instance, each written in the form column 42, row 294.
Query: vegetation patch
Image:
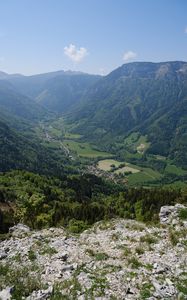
column 149, row 239
column 47, row 250
column 146, row 290
column 21, row 279
column 84, row 149
column 97, row 255
column 31, row 255
column 134, row 263
column 183, row 214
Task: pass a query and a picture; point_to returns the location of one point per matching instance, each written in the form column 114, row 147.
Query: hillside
column 16, row 105
column 19, row 152
column 149, row 98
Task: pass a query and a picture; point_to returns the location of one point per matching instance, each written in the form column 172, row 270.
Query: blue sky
column 93, row 36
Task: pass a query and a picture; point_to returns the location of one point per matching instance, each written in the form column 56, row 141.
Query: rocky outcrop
column 118, row 259
column 170, row 214
column 19, row 230
column 6, row 294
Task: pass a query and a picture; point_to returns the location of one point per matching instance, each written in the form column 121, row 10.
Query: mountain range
column 148, row 98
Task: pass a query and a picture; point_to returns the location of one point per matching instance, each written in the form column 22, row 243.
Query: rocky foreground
column 120, row 259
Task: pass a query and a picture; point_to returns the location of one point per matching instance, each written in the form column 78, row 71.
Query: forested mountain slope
column 18, row 105
column 146, row 97
column 18, row 152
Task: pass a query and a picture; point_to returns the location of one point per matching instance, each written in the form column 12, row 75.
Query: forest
column 76, row 201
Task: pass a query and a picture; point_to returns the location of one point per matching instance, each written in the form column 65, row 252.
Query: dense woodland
column 76, row 201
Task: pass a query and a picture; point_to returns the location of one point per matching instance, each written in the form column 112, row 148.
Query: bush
column 77, row 226
column 183, row 214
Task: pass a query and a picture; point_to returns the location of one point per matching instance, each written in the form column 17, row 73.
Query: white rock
column 6, row 293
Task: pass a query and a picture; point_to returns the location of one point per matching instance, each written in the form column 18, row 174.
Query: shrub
column 183, row 214
column 148, row 238
column 134, row 262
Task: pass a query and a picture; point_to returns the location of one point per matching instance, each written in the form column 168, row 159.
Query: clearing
column 84, row 149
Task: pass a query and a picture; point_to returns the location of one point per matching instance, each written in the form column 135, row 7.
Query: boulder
column 19, row 230
column 2, row 255
column 41, row 294
column 6, row 294
column 169, row 214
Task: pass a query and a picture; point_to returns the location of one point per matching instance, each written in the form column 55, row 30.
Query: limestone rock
column 169, row 214
column 19, row 230
column 6, row 294
column 122, row 259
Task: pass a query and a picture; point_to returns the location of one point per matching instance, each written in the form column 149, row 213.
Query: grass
column 105, row 164
column 52, row 144
column 99, row 256
column 48, row 250
column 148, row 238
column 31, row 255
column 174, row 170
column 146, row 175
column 21, row 279
column 127, row 169
column 71, row 286
column 183, row 214
column 139, row 250
column 173, row 236
column 126, row 251
column 137, row 142
column 54, row 132
column 134, row 262
column 182, row 284
column 72, row 136
column 177, row 184
column 84, row 149
column 145, row 291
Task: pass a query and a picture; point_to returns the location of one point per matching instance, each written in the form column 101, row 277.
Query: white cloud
column 74, row 53
column 185, row 30
column 129, row 55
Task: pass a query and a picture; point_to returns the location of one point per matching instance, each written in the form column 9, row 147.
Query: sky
column 92, row 36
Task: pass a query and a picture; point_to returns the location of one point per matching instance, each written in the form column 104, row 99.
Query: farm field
column 175, row 170
column 145, row 175
column 138, row 174
column 127, row 169
column 105, row 164
column 84, row 149
column 56, row 136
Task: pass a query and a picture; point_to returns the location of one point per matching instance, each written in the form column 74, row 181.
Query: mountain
column 19, row 152
column 147, row 97
column 15, row 104
column 57, row 91
column 63, row 92
column 32, row 85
